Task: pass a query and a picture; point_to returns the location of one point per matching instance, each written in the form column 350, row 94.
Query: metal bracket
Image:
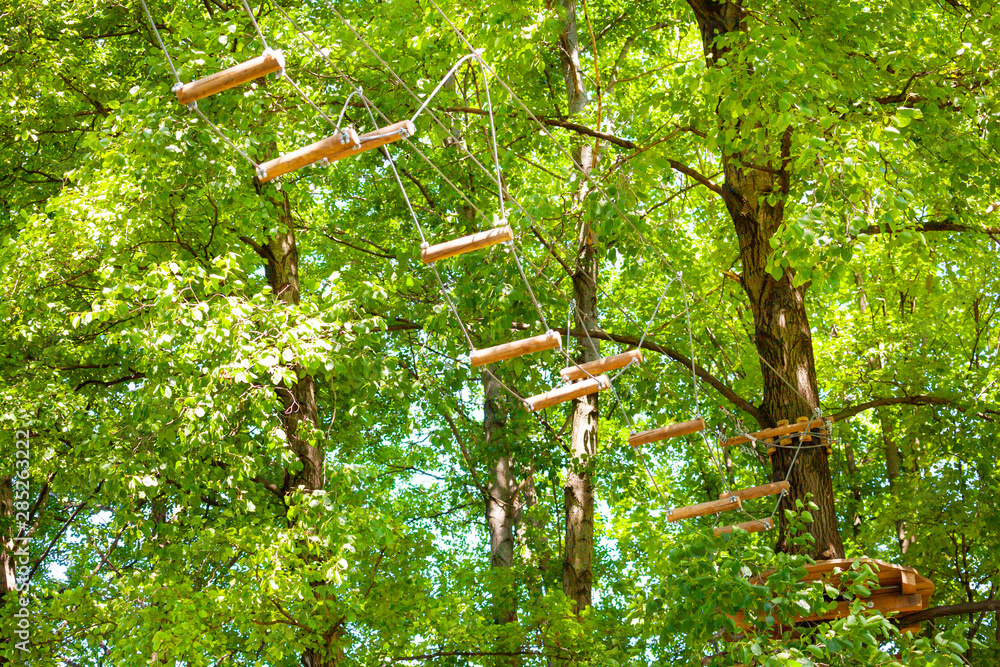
column 261, row 173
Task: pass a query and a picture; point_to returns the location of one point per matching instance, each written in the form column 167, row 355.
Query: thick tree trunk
column 8, row 575
column 501, row 500
column 578, row 494
column 569, row 45
column 298, row 400
column 781, row 326
column 299, row 411
column 8, row 580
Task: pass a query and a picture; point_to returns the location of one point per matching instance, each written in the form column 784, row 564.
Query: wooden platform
column 900, row 589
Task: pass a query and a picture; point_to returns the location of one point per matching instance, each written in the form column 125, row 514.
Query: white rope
column 159, row 40
column 444, row 80
column 256, row 27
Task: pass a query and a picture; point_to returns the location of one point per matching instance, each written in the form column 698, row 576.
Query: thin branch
column 684, row 360
column 697, row 176
column 921, row 399
column 938, row 226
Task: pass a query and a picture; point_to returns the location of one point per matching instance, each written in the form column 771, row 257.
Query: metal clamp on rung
column 177, row 86
column 261, row 173
column 425, row 245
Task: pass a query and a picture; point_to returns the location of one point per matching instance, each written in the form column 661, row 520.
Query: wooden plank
column 884, row 604
column 567, row 393
column 758, row 491
column 749, row 526
column 328, row 149
column 230, row 78
column 671, row 431
column 366, row 142
column 701, row 509
column 889, row 575
column 465, row 244
column 774, row 432
column 489, row 355
column 604, row 365
column 908, row 582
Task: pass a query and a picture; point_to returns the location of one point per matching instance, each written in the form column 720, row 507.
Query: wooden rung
column 749, row 526
column 701, row 509
column 784, row 441
column 883, row 604
column 604, row 365
column 334, row 150
column 908, row 582
column 758, row 491
column 775, row 432
column 230, row 78
column 489, row 355
column 465, row 244
column 805, row 437
column 324, row 149
column 672, row 431
column 567, row 393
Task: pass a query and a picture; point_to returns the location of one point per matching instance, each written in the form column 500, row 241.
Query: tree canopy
column 239, row 421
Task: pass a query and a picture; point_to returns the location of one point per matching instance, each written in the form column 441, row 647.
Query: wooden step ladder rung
column 755, row 526
column 604, row 365
column 758, row 491
column 671, row 431
column 567, row 393
column 489, row 355
column 798, row 427
column 334, row 150
column 270, row 61
column 325, row 149
column 701, row 509
column 477, row 241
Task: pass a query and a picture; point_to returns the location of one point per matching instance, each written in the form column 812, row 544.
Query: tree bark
column 578, row 492
column 569, row 45
column 299, row 412
column 781, row 325
column 8, row 581
column 501, row 497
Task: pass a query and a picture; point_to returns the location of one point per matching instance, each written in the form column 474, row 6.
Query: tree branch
column 921, row 399
column 558, row 122
column 682, row 359
column 697, row 176
column 938, row 226
column 948, row 610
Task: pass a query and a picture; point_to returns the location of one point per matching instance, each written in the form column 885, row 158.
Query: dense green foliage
column 143, row 346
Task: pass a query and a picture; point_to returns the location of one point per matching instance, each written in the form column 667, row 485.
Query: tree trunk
column 578, row 493
column 8, row 581
column 781, row 326
column 8, row 574
column 299, row 413
column 501, row 499
column 569, row 46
